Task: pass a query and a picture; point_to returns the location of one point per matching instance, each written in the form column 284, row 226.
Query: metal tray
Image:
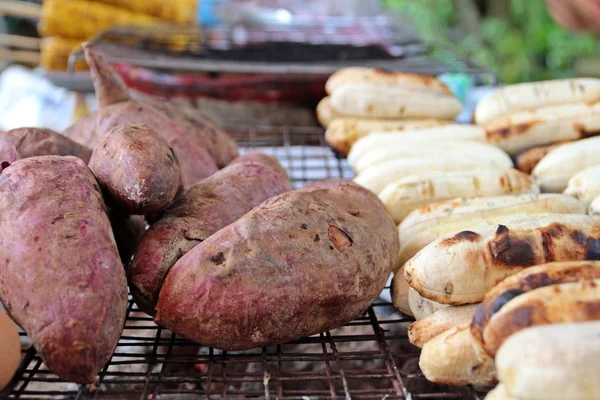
column 369, row 358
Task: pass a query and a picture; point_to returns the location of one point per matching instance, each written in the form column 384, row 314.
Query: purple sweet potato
column 84, row 131
column 330, row 183
column 300, row 263
column 61, row 278
column 263, row 159
column 116, row 108
column 30, row 142
column 199, row 212
column 136, row 169
column 217, row 142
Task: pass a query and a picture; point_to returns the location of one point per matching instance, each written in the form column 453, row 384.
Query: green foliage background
column 523, row 45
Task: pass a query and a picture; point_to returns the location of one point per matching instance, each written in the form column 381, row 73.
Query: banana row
column 486, row 260
column 365, row 100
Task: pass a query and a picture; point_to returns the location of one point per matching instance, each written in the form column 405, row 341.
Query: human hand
column 576, row 15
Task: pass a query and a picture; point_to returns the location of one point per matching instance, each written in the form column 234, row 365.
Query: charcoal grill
column 369, row 358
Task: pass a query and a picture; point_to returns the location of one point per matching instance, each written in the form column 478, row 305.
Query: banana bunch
column 364, row 100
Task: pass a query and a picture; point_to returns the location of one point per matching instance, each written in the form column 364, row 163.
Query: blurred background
column 248, row 56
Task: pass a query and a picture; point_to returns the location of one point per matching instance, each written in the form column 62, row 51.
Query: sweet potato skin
column 84, row 131
column 300, row 263
column 61, row 278
column 199, row 212
column 31, row 142
column 195, row 161
column 263, row 159
column 216, row 141
column 117, row 108
column 136, row 169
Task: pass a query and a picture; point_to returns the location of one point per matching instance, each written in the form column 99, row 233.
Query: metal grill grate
column 369, row 358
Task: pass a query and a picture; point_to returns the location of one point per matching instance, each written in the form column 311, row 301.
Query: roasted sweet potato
column 116, row 108
column 84, row 131
column 263, row 159
column 199, row 212
column 216, row 141
column 31, row 142
column 136, row 169
column 300, row 263
column 60, row 277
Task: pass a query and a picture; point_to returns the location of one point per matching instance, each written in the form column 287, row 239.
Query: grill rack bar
column 369, row 358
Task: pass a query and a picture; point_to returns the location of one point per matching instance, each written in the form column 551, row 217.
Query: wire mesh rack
column 369, row 358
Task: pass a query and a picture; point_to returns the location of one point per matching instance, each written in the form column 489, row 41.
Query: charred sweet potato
column 60, row 277
column 136, row 169
column 31, row 142
column 199, row 212
column 300, row 263
column 117, row 108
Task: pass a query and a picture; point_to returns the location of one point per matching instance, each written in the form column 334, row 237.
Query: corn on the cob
column 425, row 147
column 55, row 52
column 383, row 140
column 585, row 185
column 179, row 11
column 405, row 195
column 557, row 167
column 78, row 19
column 342, row 133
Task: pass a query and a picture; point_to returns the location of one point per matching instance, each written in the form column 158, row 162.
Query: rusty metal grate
column 369, row 358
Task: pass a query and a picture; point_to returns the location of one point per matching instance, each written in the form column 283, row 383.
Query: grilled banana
column 326, row 113
column 379, row 176
column 557, row 167
column 343, row 132
column 426, row 146
column 585, row 185
column 407, row 194
column 531, row 95
column 381, row 101
column 455, row 210
column 528, row 159
column 377, row 141
column 552, row 362
column 522, row 130
column 454, row 358
column 459, row 268
column 422, row 307
column 416, row 237
column 378, row 77
column 422, row 331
